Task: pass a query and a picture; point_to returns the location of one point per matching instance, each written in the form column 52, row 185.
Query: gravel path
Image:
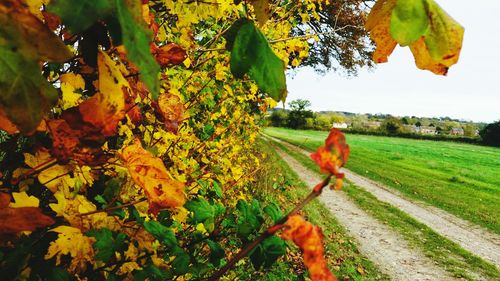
column 386, row 248
column 473, row 238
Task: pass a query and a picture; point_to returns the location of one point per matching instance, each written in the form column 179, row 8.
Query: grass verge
column 444, row 252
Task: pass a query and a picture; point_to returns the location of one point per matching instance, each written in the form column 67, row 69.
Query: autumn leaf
column 150, row 174
column 71, row 241
column 333, row 155
column 434, row 38
column 106, row 108
column 72, row 85
column 262, row 10
column 169, row 54
column 29, row 34
column 309, row 239
column 22, row 199
column 6, row 124
column 171, row 111
column 17, row 219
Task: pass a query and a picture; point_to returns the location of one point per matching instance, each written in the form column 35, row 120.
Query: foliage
column 130, row 123
column 490, row 134
column 298, row 115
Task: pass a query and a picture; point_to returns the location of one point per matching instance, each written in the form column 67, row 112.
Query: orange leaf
column 172, row 110
column 14, row 220
column 309, row 239
column 150, row 173
column 106, row 108
column 333, row 155
column 169, row 54
column 6, row 125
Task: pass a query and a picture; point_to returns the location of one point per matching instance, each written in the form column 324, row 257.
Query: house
column 342, row 125
column 426, row 130
column 457, row 131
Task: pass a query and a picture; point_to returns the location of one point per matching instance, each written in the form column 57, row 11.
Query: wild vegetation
column 128, row 128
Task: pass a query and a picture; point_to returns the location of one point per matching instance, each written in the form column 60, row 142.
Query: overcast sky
column 471, row 91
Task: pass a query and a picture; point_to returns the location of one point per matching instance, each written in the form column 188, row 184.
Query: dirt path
column 471, row 237
column 387, row 249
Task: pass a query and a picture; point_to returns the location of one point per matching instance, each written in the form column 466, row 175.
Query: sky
column 471, row 91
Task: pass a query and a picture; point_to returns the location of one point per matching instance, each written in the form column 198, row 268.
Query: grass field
column 459, row 178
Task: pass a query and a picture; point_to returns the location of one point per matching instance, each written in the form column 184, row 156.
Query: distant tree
column 392, row 125
column 336, row 119
column 405, row 121
column 490, row 135
column 470, row 130
column 418, row 124
column 279, row 118
column 439, row 130
column 299, row 113
column 432, row 125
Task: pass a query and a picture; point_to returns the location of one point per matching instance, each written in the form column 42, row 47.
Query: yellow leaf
column 71, row 241
column 378, row 24
column 106, row 108
column 21, row 199
column 436, row 49
column 150, row 173
column 70, row 84
column 53, row 177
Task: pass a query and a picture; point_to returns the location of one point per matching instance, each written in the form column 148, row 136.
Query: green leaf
column 181, row 262
column 273, row 211
column 216, row 252
column 136, row 40
column 58, row 274
column 252, row 54
column 80, row 15
column 164, row 234
column 248, row 219
column 26, row 95
column 202, row 210
column 268, row 252
column 409, row 21
column 107, row 243
column 444, row 35
column 217, row 189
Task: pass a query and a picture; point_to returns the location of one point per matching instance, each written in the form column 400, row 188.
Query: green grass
column 446, row 253
column 277, row 183
column 460, row 178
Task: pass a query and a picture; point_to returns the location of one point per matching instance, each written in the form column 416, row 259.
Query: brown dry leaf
column 309, row 239
column 106, row 108
column 152, row 176
column 6, row 125
column 14, row 220
column 172, row 111
column 170, row 54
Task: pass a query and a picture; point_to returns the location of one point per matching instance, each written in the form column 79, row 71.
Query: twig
column 271, row 230
column 107, row 210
